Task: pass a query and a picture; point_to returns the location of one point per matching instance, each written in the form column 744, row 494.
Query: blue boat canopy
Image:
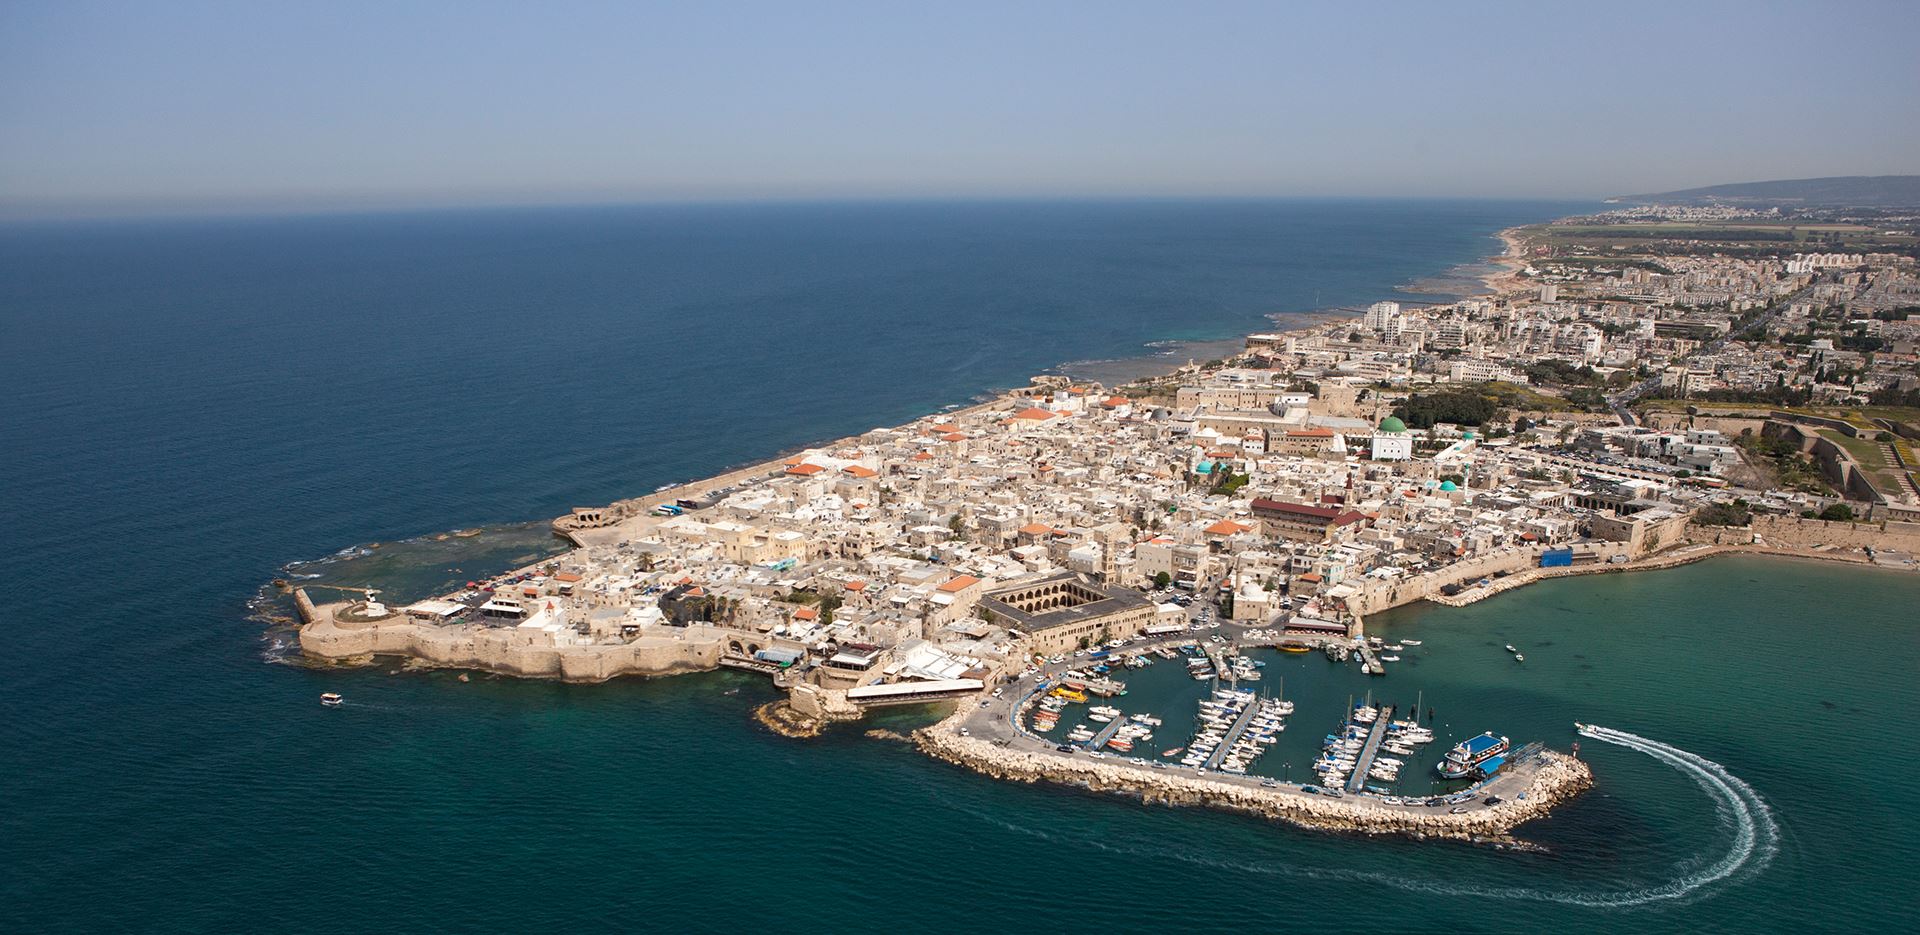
column 1482, row 742
column 1492, row 764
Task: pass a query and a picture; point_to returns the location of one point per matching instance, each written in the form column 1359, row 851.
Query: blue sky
column 205, row 106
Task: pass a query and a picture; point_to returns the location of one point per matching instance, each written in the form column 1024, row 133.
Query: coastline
column 1539, row 784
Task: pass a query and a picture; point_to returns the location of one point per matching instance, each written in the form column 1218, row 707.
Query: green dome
column 1392, row 424
column 1448, row 485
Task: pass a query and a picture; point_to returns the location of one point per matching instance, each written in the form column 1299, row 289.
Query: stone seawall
column 1554, row 778
column 503, row 651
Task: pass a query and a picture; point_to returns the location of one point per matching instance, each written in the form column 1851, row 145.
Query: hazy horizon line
column 28, row 213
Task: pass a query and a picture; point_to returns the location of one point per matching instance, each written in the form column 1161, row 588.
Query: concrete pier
column 1372, row 749
column 1233, row 733
column 1106, row 733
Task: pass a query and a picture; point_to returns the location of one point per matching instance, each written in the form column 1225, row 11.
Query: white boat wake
column 1756, row 838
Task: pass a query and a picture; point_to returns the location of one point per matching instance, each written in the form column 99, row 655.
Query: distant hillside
column 1845, row 191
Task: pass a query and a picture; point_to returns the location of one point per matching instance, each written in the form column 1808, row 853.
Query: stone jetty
column 1550, row 779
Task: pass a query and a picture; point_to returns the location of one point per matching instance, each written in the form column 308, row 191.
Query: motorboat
column 332, row 699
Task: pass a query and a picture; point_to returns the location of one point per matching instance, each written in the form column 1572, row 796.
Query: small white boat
column 1511, row 649
column 332, row 699
column 1409, row 642
column 1519, row 657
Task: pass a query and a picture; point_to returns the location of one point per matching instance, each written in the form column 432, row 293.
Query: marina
column 1239, row 732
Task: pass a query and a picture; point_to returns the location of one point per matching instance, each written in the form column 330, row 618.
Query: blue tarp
column 1556, row 558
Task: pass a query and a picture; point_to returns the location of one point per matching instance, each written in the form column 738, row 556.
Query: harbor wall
column 1553, row 779
column 508, row 652
column 1377, row 596
column 1813, row 533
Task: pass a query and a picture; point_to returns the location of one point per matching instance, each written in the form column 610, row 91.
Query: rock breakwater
column 1551, row 779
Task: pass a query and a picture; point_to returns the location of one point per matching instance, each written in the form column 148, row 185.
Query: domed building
column 1392, row 441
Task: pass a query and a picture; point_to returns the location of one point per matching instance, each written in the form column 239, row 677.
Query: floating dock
column 1220, row 668
column 1106, row 733
column 1368, row 752
column 1233, row 733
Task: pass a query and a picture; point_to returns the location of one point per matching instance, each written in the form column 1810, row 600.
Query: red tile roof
column 860, row 470
column 955, row 585
column 1035, row 413
column 805, row 470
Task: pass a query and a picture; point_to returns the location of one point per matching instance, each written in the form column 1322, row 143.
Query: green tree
column 1161, row 579
column 1839, row 511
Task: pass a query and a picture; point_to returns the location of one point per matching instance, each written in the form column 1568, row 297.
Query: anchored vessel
column 1475, row 756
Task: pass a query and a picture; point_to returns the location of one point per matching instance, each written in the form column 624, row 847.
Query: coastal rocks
column 1551, row 779
column 782, row 719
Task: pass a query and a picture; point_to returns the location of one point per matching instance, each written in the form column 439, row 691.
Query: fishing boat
column 1295, row 648
column 1173, row 752
column 1409, row 642
column 1511, row 649
column 332, row 699
column 1519, row 657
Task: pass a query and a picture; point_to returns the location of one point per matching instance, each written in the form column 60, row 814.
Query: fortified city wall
column 502, row 649
column 1811, row 533
column 1377, row 596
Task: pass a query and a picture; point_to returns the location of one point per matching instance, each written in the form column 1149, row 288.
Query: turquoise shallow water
column 196, row 405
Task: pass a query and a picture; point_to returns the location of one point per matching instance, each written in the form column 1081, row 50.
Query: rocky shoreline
column 1555, row 778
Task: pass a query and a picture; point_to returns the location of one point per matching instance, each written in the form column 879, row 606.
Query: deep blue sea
column 196, row 404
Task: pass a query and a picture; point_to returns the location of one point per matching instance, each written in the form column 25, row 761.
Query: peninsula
column 1637, row 389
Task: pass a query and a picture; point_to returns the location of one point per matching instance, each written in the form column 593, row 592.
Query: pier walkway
column 1106, row 733
column 1220, row 668
column 1372, row 749
column 1233, row 733
column 1371, row 659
